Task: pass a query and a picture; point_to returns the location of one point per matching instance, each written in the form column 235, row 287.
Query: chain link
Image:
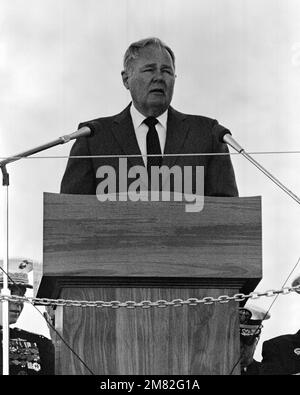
column 146, row 304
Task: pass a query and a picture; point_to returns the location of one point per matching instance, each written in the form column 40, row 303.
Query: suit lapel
column 123, row 131
column 177, row 128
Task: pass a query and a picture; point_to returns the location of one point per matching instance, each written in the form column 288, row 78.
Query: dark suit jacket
column 280, row 355
column 252, row 370
column 115, row 136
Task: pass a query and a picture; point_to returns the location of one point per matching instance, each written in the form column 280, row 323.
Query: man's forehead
column 153, row 55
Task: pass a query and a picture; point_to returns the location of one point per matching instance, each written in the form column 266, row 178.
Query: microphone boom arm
column 227, row 138
column 84, row 131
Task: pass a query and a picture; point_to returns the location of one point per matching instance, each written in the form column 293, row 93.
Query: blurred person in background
column 251, row 318
column 281, row 355
column 29, row 353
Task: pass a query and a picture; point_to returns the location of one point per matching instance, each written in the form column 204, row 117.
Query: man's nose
column 158, row 75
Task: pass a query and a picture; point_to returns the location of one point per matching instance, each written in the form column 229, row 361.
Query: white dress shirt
column 141, row 130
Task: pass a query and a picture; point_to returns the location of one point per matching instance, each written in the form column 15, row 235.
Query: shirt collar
column 138, row 118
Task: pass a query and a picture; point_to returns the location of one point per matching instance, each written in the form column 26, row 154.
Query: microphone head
column 92, row 125
column 85, row 129
column 219, row 132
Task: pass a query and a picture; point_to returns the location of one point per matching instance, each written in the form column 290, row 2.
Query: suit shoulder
column 202, row 121
column 280, row 339
column 108, row 120
column 201, row 118
column 195, row 118
column 101, row 120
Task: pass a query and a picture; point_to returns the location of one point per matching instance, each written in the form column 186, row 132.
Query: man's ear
column 125, row 77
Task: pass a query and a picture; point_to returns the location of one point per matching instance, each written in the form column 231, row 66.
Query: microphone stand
column 230, row 141
column 5, row 291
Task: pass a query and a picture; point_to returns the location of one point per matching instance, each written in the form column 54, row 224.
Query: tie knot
column 150, row 121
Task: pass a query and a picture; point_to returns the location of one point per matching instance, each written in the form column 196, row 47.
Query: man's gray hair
column 133, row 50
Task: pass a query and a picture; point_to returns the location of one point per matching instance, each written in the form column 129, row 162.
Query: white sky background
column 237, row 61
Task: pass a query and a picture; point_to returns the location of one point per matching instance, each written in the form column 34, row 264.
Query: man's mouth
column 158, row 91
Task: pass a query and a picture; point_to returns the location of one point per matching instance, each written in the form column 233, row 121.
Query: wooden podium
column 135, row 251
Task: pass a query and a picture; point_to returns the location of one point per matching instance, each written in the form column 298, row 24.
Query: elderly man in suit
column 149, row 126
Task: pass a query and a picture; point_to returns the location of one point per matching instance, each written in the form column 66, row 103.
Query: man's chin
column 158, row 106
column 157, row 99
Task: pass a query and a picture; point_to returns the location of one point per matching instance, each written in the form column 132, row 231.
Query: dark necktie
column 153, row 146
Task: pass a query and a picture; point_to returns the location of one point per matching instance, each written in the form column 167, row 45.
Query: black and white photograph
column 150, row 190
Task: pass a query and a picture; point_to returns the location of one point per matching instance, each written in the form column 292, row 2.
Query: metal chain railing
column 145, row 304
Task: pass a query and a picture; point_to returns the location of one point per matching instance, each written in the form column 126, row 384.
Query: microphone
column 223, row 135
column 87, row 130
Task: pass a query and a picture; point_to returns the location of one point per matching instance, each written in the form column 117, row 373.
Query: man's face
column 151, row 81
column 247, row 351
column 15, row 309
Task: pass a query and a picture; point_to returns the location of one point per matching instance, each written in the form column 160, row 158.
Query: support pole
column 5, row 290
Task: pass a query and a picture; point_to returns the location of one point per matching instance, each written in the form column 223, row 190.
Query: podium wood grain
column 173, row 340
column 83, row 237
